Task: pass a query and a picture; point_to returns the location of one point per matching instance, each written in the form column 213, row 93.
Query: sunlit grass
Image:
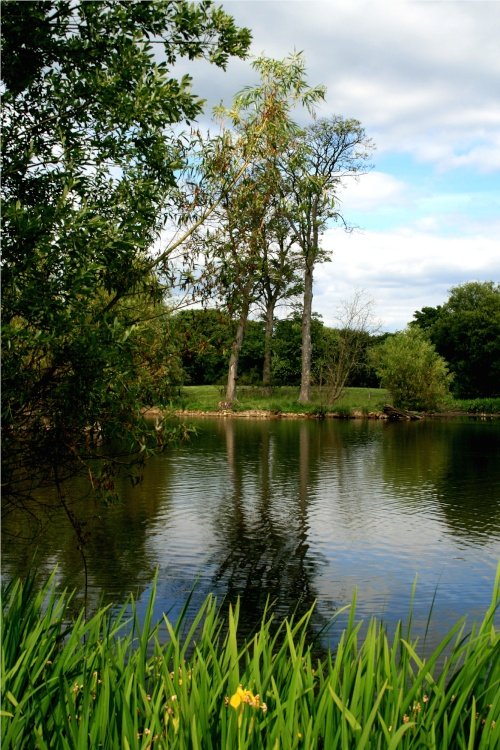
column 284, row 400
column 280, row 399
column 114, row 683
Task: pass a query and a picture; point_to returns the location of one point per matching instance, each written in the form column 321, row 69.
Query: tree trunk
column 268, row 340
column 232, row 374
column 305, row 380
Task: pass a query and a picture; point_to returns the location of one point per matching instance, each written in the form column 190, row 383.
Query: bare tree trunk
column 235, row 354
column 268, row 340
column 305, row 380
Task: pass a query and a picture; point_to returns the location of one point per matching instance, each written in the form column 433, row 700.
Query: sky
column 423, row 78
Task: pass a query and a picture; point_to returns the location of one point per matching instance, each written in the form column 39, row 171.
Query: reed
column 113, row 682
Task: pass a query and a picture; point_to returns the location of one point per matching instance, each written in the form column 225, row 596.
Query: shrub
column 411, row 369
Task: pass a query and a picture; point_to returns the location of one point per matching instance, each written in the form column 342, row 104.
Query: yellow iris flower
column 243, row 696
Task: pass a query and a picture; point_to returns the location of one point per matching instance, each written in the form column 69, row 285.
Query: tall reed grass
column 112, row 682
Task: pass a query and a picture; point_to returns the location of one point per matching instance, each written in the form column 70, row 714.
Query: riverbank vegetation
column 113, row 681
column 277, row 400
column 354, row 402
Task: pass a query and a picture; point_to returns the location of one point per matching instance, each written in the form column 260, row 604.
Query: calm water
column 296, row 511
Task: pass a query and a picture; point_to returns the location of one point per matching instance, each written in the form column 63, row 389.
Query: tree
column 466, row 331
column 286, row 362
column 279, row 281
column 348, row 345
column 316, row 166
column 90, row 169
column 411, row 369
column 232, row 244
column 246, row 222
column 203, row 338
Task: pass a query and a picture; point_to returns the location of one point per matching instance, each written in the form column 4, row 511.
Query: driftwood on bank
column 398, row 414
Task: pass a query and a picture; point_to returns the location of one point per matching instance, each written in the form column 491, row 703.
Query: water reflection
column 293, row 512
column 261, row 549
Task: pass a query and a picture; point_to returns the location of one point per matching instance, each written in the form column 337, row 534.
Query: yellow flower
column 242, row 696
column 238, row 698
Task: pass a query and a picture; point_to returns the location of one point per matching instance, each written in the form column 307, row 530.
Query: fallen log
column 399, row 414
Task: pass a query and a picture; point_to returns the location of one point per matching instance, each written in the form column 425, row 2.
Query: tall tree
column 317, row 165
column 90, row 164
column 247, row 215
column 280, row 280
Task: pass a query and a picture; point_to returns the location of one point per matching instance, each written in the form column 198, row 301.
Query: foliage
column 112, row 682
column 90, row 170
column 287, row 362
column 316, row 165
column 410, row 368
column 466, row 331
column 203, row 339
column 478, row 405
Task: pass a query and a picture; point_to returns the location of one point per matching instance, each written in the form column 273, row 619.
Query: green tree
column 466, row 331
column 246, row 223
column 411, row 369
column 316, row 166
column 202, row 337
column 90, row 170
column 286, row 362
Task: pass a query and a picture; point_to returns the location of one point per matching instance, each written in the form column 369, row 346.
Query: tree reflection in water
column 263, row 552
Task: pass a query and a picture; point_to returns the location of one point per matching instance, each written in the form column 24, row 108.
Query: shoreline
column 156, row 412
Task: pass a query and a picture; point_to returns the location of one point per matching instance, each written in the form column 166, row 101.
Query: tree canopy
column 90, row 169
column 466, row 331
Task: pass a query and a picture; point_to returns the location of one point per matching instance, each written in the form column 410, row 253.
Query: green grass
column 284, row 400
column 113, row 683
column 477, row 405
column 281, row 399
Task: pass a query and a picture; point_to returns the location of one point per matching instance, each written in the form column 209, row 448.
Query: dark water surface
column 296, row 511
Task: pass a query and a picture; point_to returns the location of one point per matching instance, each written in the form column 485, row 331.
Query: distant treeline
column 204, row 337
column 465, row 332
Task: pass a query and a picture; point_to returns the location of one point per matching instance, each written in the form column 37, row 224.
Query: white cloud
column 372, row 191
column 413, row 72
column 402, row 271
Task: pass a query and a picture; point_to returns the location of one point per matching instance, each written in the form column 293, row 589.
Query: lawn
column 280, row 399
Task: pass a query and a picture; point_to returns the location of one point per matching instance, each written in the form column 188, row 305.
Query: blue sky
column 423, row 77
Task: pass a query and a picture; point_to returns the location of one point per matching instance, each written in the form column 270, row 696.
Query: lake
column 295, row 512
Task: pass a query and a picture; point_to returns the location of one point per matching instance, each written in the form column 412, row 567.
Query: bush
column 411, row 369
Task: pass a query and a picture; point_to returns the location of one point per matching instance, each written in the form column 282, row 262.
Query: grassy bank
column 283, row 400
column 109, row 683
column 280, row 399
